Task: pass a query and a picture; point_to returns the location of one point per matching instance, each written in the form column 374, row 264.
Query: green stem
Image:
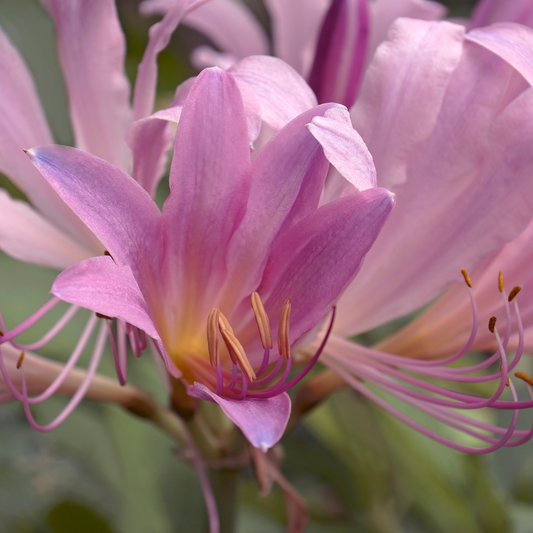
column 225, row 484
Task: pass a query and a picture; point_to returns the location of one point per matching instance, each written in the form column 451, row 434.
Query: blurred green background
column 105, row 471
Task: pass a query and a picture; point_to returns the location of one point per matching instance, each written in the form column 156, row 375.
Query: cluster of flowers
column 403, row 142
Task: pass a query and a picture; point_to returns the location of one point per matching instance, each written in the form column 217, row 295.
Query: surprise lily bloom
column 231, row 229
column 446, row 116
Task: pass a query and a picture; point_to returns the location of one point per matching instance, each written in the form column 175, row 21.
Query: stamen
column 514, row 292
column 524, row 376
column 284, row 345
column 20, row 361
column 105, row 317
column 467, row 277
column 492, row 324
column 212, row 336
column 224, row 324
column 1, row 333
column 235, row 346
column 500, row 281
column 261, row 318
column 507, row 380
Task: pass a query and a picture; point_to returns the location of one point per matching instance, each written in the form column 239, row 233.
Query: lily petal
column 477, row 154
column 280, row 91
column 344, row 148
column 111, row 203
column 295, row 27
column 314, row 261
column 210, row 175
column 487, row 12
column 22, row 125
column 104, row 287
column 341, row 52
column 28, row 236
column 502, row 39
column 263, row 421
column 288, row 176
column 384, row 12
column 98, row 88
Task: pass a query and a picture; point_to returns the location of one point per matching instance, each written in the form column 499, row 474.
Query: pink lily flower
column 231, row 227
column 48, row 232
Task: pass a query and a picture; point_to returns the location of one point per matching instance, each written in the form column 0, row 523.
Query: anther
column 263, row 324
column 467, row 277
column 212, row 335
column 514, row 292
column 233, row 345
column 100, row 315
column 492, row 324
column 21, row 359
column 500, row 281
column 223, row 324
column 524, row 376
column 284, row 345
column 1, row 333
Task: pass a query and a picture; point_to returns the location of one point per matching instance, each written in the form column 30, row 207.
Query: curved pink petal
column 488, row 12
column 314, row 261
column 384, row 12
column 26, row 235
column 204, row 56
column 344, row 148
column 160, row 33
column 287, row 179
column 295, row 27
column 341, row 52
column 92, row 51
column 472, row 170
column 111, row 203
column 263, row 422
column 209, row 186
column 400, row 99
column 281, row 92
column 23, row 125
column 512, row 42
column 100, row 285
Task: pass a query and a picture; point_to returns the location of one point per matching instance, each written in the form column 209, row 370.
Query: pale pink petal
column 341, row 52
column 263, row 421
column 100, row 285
column 26, row 235
column 488, row 12
column 344, row 148
column 384, row 12
column 23, row 125
column 295, row 27
column 512, row 42
column 209, row 185
column 314, row 261
column 472, row 173
column 228, row 23
column 92, row 50
column 112, row 204
column 400, row 99
column 281, row 92
column 160, row 33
